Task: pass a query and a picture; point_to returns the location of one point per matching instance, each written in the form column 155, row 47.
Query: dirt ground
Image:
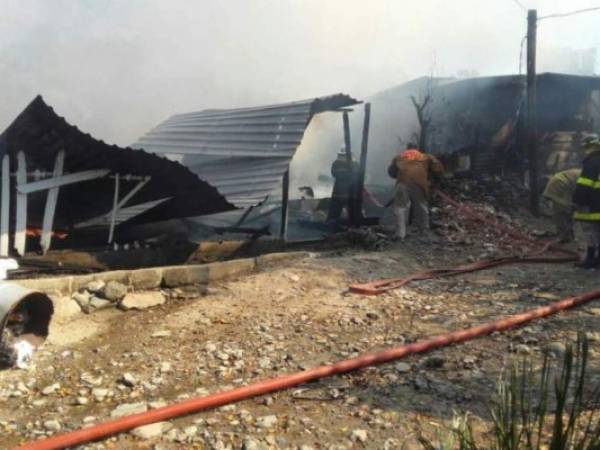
column 286, row 319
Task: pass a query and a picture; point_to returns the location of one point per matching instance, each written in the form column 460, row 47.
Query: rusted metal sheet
column 242, row 152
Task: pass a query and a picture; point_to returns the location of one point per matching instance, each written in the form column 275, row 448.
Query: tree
column 422, row 104
column 424, row 117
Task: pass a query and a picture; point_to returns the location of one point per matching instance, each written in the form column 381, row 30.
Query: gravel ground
column 286, row 319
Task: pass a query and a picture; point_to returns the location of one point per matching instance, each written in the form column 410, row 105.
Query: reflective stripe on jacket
column 587, row 191
column 561, row 186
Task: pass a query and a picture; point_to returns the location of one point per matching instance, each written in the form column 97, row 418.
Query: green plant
column 550, row 409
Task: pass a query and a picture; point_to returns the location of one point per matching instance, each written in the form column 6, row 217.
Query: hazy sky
column 117, row 68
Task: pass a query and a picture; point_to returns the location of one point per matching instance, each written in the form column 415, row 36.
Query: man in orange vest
column 413, row 170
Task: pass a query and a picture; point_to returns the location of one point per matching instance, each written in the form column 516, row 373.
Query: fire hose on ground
column 283, row 382
column 380, row 286
column 124, row 424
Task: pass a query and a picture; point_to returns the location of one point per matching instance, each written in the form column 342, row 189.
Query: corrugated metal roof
column 242, row 152
column 40, row 133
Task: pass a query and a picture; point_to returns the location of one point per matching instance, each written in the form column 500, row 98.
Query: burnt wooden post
column 351, row 188
column 532, row 153
column 20, row 243
column 285, row 195
column 360, row 185
column 5, row 207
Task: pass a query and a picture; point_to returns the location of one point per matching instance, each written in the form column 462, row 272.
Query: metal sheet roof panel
column 243, row 152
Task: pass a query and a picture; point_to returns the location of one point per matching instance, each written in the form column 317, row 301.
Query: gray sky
column 117, row 68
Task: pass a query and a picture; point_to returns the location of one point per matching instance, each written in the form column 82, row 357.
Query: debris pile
column 504, row 193
column 490, row 198
column 98, row 294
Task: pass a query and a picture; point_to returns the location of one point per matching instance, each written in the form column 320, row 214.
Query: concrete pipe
column 24, row 321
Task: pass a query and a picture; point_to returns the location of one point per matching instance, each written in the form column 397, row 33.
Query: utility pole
column 532, row 153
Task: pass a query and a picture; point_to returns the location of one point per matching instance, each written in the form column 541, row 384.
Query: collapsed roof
column 41, row 134
column 244, row 152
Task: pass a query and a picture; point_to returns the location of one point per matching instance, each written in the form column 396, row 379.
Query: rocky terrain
column 288, row 318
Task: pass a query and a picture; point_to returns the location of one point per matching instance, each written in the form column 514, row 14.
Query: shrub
column 550, row 409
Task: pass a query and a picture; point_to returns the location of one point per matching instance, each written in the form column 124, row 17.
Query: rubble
column 289, row 318
column 489, row 197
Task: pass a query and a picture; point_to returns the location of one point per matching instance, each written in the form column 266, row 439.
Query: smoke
column 117, row 68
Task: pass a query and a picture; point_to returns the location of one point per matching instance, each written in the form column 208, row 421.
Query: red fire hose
column 127, row 423
column 123, row 424
column 380, row 286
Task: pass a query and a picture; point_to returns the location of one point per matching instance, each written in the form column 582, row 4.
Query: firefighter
column 345, row 174
column 587, row 202
column 559, row 191
column 413, row 171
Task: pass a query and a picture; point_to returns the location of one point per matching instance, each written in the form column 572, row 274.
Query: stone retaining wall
column 170, row 276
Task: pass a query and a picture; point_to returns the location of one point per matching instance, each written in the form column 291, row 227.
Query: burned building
column 62, row 188
column 484, row 118
column 245, row 153
column 478, row 124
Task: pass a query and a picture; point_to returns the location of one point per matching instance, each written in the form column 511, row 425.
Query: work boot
column 590, row 260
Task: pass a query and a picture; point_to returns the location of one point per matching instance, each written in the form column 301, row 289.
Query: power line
column 572, row 13
column 520, row 5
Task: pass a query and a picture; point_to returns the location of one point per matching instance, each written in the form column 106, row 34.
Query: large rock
column 95, row 286
column 146, row 279
column 115, row 291
column 99, row 303
column 64, row 309
column 142, row 300
column 82, row 298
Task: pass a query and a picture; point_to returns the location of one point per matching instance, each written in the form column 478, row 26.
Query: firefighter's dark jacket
column 587, row 192
column 345, row 174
